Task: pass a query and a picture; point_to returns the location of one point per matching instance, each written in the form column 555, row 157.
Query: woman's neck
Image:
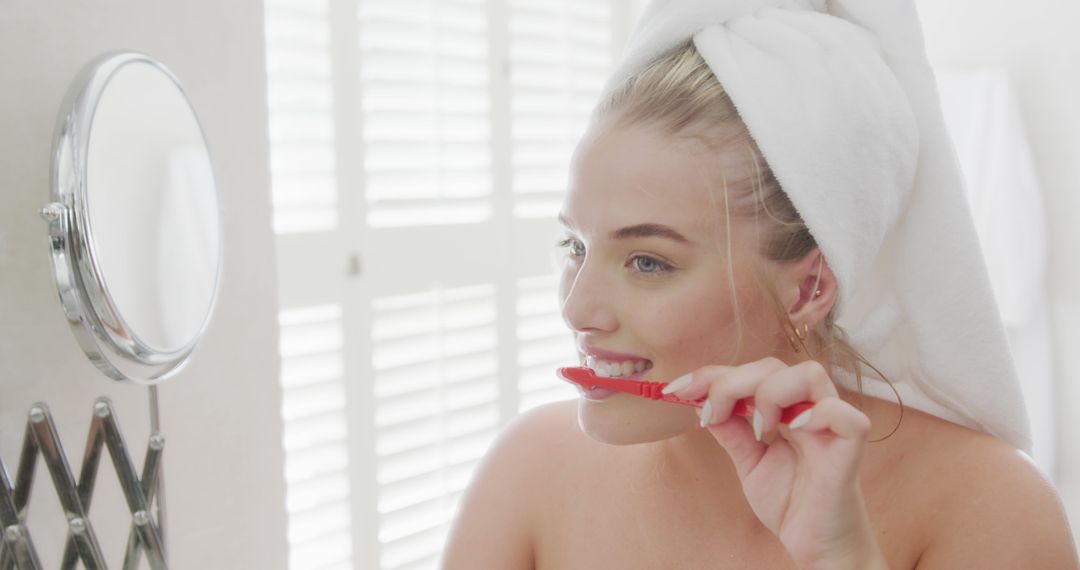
column 694, row 456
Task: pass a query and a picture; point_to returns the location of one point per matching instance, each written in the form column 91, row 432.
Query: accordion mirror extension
column 134, row 223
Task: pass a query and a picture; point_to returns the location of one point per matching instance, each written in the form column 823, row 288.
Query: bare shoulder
column 494, row 525
column 991, row 507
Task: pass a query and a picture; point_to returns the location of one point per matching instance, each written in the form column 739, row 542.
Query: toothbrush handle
column 743, row 408
column 654, row 391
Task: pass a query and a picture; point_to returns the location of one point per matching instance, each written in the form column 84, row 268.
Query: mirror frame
column 100, row 329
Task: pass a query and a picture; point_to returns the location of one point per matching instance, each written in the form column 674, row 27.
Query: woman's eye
column 646, row 264
column 574, row 247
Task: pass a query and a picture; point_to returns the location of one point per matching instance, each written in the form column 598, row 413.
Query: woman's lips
column 605, row 354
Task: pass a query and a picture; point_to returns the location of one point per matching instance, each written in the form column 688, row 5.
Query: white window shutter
column 414, row 265
column 437, row 412
column 316, row 455
column 560, row 54
column 424, row 77
column 301, row 115
column 304, row 194
column 425, row 94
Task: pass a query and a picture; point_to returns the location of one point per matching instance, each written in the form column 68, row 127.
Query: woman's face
column 648, row 284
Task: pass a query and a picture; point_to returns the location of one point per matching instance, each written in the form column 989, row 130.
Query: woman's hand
column 804, row 484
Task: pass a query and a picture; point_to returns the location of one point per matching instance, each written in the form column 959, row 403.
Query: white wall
column 1036, row 42
column 223, row 458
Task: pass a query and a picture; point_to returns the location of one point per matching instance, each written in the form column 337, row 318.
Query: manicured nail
column 706, row 413
column 800, row 420
column 758, row 422
column 678, row 383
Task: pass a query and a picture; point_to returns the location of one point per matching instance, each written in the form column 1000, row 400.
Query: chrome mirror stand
column 17, row 550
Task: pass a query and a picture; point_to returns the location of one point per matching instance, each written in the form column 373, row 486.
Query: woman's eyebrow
column 649, row 230
column 638, row 231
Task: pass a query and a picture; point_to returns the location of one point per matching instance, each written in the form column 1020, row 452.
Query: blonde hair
column 679, row 95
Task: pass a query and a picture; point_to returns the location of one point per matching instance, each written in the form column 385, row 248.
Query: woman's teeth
column 610, row 369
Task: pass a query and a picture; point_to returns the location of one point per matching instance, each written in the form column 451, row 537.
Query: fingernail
column 706, row 413
column 678, row 383
column 758, row 421
column 800, row 420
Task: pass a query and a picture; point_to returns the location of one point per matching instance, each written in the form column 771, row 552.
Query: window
column 419, row 152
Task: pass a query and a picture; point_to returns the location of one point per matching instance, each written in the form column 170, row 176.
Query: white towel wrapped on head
column 841, row 100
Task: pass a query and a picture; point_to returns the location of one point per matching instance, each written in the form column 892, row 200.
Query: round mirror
column 134, row 223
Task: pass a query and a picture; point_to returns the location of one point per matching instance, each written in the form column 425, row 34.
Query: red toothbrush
column 588, row 379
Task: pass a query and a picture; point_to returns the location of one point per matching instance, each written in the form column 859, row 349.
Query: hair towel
column 841, row 100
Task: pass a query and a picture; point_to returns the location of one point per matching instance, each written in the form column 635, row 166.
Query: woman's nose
column 588, row 300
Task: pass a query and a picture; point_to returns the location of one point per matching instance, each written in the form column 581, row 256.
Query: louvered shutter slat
column 559, row 51
column 424, row 83
column 301, row 116
column 434, row 356
column 315, row 437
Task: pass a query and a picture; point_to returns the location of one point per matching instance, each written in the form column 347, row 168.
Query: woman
column 720, row 226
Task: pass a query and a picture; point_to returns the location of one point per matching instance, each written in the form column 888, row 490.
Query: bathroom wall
column 223, row 457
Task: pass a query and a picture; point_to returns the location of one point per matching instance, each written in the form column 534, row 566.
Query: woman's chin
column 626, row 420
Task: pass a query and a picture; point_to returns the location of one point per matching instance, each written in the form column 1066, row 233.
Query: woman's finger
column 805, row 382
column 737, row 439
column 694, row 385
column 700, row 382
column 839, row 417
column 733, row 385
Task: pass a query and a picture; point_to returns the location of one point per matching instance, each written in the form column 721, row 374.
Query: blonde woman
column 765, row 206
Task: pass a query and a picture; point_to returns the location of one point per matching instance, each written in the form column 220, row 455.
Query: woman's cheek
column 669, row 319
column 692, row 326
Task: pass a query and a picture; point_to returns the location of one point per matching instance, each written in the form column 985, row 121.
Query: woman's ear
column 809, row 290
